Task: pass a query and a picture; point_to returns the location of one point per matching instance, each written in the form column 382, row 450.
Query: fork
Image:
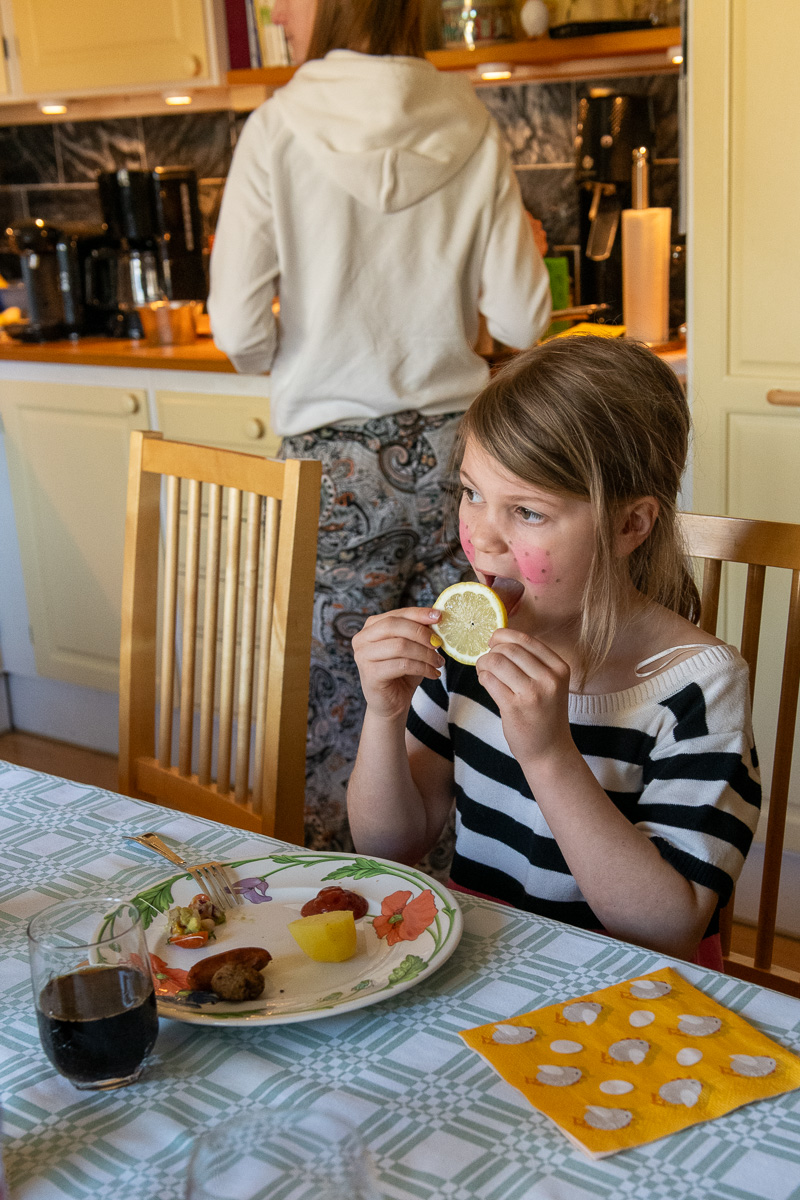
column 209, row 876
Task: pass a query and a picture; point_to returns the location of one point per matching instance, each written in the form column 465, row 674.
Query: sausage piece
column 335, row 899
column 201, row 974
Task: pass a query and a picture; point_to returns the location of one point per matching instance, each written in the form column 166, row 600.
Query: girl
column 600, row 754
column 376, row 195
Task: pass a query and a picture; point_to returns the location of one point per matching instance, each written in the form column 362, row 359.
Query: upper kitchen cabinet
column 92, row 45
column 4, row 81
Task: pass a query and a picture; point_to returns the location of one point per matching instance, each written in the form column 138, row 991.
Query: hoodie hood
column 388, row 130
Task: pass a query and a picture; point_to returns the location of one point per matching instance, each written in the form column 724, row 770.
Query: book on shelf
column 273, row 45
column 253, row 38
column 236, row 26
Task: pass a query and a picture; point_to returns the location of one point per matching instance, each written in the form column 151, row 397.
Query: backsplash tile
column 68, row 205
column 551, row 196
column 28, row 154
column 86, row 147
column 536, row 119
column 200, row 140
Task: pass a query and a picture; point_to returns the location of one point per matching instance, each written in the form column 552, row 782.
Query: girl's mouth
column 509, row 590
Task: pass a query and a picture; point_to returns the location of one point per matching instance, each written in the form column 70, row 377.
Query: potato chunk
column 326, row 937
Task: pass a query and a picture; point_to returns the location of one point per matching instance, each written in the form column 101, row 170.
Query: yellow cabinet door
column 86, row 45
column 67, row 449
column 4, row 87
column 744, row 299
column 230, row 422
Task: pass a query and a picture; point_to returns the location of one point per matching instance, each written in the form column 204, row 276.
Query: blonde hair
column 605, row 420
column 371, row 26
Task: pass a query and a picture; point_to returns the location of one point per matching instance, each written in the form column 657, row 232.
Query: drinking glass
column 93, row 990
column 299, row 1154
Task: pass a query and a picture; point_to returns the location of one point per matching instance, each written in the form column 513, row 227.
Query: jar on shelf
column 479, row 23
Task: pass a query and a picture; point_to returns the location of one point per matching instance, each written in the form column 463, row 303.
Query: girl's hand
column 529, row 683
column 393, row 654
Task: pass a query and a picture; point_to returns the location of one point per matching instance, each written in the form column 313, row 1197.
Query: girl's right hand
column 393, row 654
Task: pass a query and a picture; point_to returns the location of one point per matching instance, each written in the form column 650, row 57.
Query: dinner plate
column 419, row 925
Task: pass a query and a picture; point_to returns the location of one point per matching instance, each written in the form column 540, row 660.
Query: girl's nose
column 487, row 536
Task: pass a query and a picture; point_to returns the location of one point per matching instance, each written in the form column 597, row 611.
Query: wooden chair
column 265, row 622
column 759, row 544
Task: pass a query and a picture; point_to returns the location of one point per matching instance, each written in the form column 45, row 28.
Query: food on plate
column 326, row 936
column 192, row 925
column 237, row 981
column 471, row 612
column 201, row 974
column 335, row 899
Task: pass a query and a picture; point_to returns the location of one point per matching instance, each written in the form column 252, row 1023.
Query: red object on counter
column 238, row 43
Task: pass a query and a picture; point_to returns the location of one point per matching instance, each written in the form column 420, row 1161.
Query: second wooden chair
column 247, row 648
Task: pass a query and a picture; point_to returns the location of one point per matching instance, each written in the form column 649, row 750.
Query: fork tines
column 212, row 878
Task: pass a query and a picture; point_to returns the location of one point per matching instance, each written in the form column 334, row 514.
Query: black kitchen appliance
column 156, row 213
column 611, row 126
column 44, row 268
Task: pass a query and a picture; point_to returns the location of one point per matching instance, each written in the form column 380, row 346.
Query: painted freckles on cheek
column 535, row 567
column 466, row 540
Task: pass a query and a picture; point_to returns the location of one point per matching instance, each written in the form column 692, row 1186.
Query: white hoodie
column 376, row 195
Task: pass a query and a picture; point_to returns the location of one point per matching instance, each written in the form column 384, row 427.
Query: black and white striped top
column 675, row 753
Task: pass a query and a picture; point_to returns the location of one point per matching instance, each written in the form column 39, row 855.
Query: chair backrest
column 244, row 629
column 759, row 544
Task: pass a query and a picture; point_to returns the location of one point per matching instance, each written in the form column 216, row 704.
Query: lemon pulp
column 471, row 612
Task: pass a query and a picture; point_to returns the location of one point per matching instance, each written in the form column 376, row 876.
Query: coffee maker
column 611, row 126
column 154, row 220
column 50, row 274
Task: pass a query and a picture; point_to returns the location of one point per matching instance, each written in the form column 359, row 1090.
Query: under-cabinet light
column 52, row 110
column 177, row 99
column 675, row 55
column 495, row 70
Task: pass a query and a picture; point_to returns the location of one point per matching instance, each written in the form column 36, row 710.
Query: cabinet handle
column 777, row 396
column 130, row 404
column 254, row 428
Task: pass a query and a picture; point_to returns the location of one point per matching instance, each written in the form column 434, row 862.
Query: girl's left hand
column 529, row 683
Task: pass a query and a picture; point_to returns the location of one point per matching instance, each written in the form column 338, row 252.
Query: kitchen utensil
column 210, row 876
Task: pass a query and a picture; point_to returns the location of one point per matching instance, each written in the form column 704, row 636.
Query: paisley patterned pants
column 382, row 545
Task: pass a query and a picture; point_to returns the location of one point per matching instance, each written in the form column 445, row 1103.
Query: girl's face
column 297, row 19
column 533, row 546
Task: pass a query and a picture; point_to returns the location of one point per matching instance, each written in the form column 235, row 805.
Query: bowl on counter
column 170, row 322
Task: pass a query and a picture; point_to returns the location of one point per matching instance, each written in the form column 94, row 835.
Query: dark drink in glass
column 93, row 990
column 98, row 1023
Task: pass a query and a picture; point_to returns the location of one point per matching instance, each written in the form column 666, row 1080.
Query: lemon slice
column 470, row 614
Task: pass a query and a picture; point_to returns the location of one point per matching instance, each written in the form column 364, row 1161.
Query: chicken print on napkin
column 635, row 1061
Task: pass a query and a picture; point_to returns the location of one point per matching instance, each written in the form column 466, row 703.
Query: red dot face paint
column 466, row 540
column 535, row 566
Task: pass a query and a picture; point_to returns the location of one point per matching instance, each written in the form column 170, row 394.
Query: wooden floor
column 100, row 770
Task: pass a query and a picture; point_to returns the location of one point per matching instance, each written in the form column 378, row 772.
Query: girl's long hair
column 370, row 26
column 605, row 420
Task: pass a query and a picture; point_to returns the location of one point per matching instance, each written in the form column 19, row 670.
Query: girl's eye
column 529, row 516
column 470, row 495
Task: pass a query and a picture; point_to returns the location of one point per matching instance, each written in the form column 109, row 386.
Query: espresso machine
column 611, row 126
column 155, row 242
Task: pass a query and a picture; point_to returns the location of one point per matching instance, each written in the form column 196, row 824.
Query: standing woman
column 375, row 196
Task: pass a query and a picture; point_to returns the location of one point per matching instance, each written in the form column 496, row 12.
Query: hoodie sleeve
column 244, row 260
column 515, row 285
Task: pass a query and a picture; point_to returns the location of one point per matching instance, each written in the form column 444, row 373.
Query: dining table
column 437, row 1120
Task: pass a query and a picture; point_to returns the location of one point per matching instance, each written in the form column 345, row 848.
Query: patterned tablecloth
column 439, row 1122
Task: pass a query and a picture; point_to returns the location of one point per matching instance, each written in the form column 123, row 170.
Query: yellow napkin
column 634, row 1062
column 593, row 327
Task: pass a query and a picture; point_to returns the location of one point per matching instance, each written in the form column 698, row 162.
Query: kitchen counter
column 201, row 355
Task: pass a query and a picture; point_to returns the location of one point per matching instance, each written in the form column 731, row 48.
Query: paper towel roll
column 645, row 273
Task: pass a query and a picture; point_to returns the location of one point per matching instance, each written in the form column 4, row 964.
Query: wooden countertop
column 201, row 355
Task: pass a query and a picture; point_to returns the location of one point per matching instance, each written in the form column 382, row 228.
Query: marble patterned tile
column 550, row 194
column 210, row 198
column 239, row 119
column 12, row 206
column 536, row 120
column 66, row 205
column 200, row 140
column 664, row 92
column 87, row 147
column 28, row 154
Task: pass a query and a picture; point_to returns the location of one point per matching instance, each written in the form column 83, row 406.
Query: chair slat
column 269, row 559
column 709, row 597
column 208, row 669
column 779, row 790
column 247, row 654
column 170, row 611
column 229, row 622
column 189, row 640
column 751, row 620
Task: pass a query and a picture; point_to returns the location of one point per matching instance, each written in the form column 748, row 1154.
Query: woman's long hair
column 370, row 26
column 605, row 420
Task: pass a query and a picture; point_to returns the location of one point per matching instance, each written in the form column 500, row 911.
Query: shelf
column 539, row 52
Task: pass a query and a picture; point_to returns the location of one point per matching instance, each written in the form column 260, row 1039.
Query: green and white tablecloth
column 439, row 1122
